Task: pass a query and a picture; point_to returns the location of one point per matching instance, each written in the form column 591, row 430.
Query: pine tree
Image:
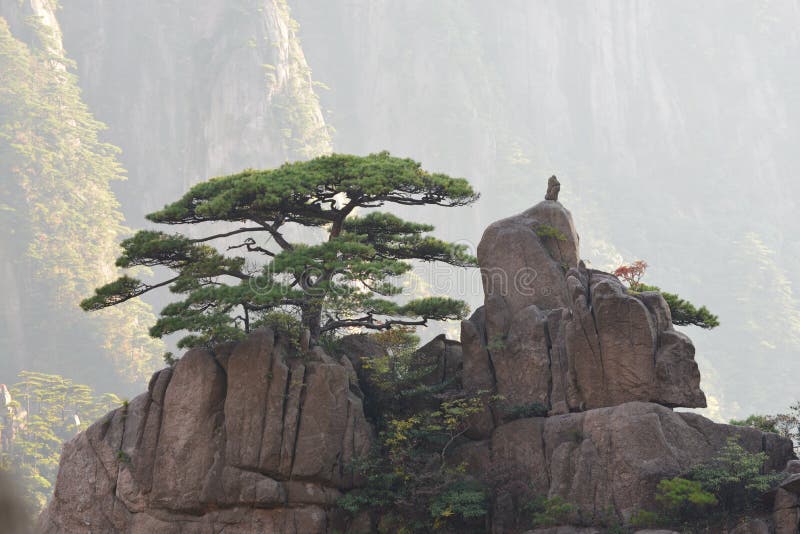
column 346, row 279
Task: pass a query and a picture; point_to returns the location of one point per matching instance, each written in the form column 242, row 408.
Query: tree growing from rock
column 346, row 276
column 683, row 312
column 632, row 274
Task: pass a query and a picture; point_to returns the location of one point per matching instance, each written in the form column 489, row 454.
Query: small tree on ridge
column 683, row 312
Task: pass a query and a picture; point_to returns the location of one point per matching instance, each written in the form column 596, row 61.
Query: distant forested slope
column 60, row 220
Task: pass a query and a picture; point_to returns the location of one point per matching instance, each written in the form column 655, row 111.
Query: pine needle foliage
column 347, row 279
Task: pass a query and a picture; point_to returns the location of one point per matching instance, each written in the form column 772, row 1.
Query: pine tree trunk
column 312, row 318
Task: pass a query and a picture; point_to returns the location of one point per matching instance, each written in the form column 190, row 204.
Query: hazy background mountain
column 672, row 126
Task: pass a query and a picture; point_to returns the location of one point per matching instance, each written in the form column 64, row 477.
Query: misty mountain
column 672, row 133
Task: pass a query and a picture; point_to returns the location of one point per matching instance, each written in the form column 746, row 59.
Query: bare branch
column 250, row 243
column 228, row 234
column 372, row 324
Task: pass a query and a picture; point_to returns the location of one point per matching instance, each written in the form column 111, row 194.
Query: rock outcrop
column 553, row 332
column 603, row 461
column 247, row 439
column 606, row 365
column 257, row 437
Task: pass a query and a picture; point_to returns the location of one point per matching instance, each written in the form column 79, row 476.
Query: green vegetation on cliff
column 59, row 223
column 683, row 312
column 37, row 414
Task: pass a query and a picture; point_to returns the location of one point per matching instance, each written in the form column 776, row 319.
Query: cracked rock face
column 251, row 439
column 603, row 461
column 607, row 366
column 555, row 333
column 247, row 439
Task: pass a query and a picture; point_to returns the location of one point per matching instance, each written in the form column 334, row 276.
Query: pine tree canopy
column 348, row 276
column 683, row 312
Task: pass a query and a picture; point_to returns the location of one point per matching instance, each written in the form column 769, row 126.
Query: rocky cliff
column 60, row 222
column 244, row 439
column 604, row 361
column 255, row 437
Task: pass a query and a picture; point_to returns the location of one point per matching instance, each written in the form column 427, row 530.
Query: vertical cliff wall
column 193, row 89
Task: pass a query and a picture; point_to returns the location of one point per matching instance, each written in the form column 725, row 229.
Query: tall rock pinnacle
column 553, row 187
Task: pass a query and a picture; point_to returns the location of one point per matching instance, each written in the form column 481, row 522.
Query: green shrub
column 284, row 324
column 765, row 423
column 551, row 512
column 547, row 231
column 462, row 500
column 330, row 343
column 170, row 359
column 606, row 518
column 409, row 476
column 683, row 499
column 713, row 494
column 735, row 477
column 784, row 424
column 683, row 312
column 645, row 519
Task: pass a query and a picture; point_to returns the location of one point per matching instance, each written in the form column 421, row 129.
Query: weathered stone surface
column 792, row 467
column 564, row 530
column 553, row 187
column 786, row 520
column 677, row 377
column 478, row 374
column 250, row 367
column 190, row 433
column 516, row 264
column 249, row 439
column 786, row 505
column 627, row 342
column 445, row 360
column 785, row 499
column 265, row 447
column 792, row 483
column 591, row 342
column 521, row 361
column 753, row 526
column 566, row 248
column 608, row 458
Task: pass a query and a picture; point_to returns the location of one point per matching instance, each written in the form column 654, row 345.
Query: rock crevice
column 615, row 346
column 249, row 436
column 256, row 438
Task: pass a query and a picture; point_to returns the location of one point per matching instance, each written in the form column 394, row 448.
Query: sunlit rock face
column 570, row 338
column 605, row 461
column 604, row 363
column 255, row 437
column 248, row 435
